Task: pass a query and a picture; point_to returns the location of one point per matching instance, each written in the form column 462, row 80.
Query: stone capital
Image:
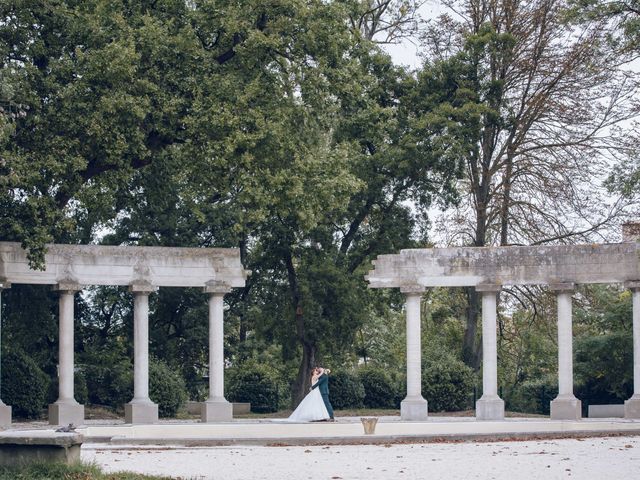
column 488, row 288
column 562, row 287
column 413, row 289
column 142, row 287
column 68, row 286
column 217, row 287
column 633, row 285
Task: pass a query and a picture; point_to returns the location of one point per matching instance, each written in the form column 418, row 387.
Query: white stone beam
column 107, row 265
column 531, row 265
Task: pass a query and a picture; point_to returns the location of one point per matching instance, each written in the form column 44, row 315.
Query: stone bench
column 606, row 411
column 38, row 446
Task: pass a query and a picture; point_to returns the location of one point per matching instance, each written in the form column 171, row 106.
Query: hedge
column 24, row 385
column 379, row 389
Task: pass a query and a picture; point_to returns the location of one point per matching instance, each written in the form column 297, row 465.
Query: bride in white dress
column 311, row 408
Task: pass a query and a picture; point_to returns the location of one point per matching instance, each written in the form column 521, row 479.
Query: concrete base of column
column 216, row 410
column 632, row 407
column 566, row 408
column 5, row 415
column 64, row 412
column 414, row 408
column 490, row 407
column 141, row 412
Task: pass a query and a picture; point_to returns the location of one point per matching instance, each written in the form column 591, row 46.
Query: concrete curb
column 140, row 443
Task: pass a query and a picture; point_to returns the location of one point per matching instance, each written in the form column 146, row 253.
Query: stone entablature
column 126, row 265
column 530, row 265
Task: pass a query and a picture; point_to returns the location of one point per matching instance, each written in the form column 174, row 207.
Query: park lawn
column 59, row 471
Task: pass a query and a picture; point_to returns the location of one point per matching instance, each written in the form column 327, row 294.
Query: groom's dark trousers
column 323, row 385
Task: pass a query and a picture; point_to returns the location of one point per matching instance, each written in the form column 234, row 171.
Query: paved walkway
column 588, row 459
column 350, row 430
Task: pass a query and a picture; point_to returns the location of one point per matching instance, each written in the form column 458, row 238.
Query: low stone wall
column 21, row 448
column 606, row 411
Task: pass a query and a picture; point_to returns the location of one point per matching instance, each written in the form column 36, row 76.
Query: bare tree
column 386, row 21
column 554, row 102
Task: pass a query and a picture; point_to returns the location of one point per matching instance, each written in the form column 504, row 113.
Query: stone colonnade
column 487, row 270
column 143, row 270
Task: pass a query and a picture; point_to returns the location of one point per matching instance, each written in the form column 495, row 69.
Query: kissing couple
column 315, row 407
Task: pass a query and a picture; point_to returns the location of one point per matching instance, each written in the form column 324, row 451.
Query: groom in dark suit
column 323, row 385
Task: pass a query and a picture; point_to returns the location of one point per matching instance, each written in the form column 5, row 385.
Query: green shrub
column 256, row 384
column 533, row 396
column 166, row 388
column 604, row 368
column 24, row 385
column 379, row 390
column 109, row 378
column 447, row 384
column 345, row 390
column 80, row 390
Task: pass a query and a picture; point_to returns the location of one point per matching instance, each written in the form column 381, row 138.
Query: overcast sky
column 406, row 53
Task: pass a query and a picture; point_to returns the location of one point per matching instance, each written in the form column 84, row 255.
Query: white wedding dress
column 311, row 408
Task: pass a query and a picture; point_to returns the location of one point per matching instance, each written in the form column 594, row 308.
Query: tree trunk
column 471, row 348
column 301, row 384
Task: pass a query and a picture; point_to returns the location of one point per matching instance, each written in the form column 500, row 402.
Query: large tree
column 547, row 102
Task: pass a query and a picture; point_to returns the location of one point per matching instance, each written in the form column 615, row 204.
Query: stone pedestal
column 632, row 407
column 5, row 415
column 566, row 408
column 216, row 411
column 141, row 412
column 490, row 407
column 414, row 409
column 64, row 412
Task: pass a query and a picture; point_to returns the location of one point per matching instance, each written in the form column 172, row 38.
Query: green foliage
column 345, row 390
column 532, row 396
column 447, row 384
column 61, row 471
column 24, row 384
column 109, row 378
column 80, row 389
column 166, row 388
column 604, row 368
column 256, row 384
column 379, row 389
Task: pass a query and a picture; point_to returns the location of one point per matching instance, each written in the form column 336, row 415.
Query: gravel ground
column 589, row 459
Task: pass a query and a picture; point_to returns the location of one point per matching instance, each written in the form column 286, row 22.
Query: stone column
column 66, row 410
column 490, row 406
column 141, row 409
column 216, row 408
column 5, row 410
column 414, row 406
column 565, row 406
column 632, row 406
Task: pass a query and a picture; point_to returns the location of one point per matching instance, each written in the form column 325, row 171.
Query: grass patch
column 59, row 471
